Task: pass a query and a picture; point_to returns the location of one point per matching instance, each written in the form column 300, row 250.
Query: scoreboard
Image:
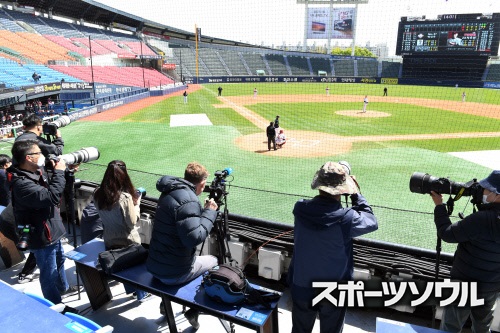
column 464, row 34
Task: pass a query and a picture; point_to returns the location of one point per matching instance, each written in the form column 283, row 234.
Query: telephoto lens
column 62, row 121
column 83, row 155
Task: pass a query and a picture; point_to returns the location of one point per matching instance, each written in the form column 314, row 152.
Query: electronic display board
column 465, row 34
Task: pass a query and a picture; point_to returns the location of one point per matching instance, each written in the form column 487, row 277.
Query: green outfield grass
column 267, row 186
column 490, row 96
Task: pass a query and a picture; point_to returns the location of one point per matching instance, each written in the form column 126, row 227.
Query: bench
column 190, row 294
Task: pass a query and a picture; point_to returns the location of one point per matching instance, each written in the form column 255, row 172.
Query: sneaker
column 192, row 317
column 25, row 278
column 73, row 290
column 145, row 298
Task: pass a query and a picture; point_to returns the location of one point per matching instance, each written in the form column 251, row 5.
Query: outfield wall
column 340, row 79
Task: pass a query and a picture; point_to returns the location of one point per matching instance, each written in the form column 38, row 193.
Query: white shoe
column 25, row 278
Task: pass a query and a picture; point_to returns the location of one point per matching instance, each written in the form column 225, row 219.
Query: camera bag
column 228, row 284
column 113, row 261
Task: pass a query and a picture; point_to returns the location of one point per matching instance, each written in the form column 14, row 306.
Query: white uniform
column 365, row 103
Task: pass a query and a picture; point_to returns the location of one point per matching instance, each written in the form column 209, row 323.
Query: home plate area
column 189, row 120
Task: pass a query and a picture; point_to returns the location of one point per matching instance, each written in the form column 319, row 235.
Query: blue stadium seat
column 40, row 299
column 89, row 323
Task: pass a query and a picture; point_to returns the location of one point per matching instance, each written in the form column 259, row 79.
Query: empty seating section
column 114, row 47
column 277, row 64
column 187, row 56
column 69, row 45
column 211, row 60
column 139, row 47
column 493, row 73
column 255, row 62
column 367, row 67
column 299, row 65
column 233, row 62
column 390, row 68
column 63, row 28
column 320, row 64
column 16, row 75
column 97, row 49
column 43, row 28
column 33, row 46
column 8, row 23
column 343, row 67
column 129, row 76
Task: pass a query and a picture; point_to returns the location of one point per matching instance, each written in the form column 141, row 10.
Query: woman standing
column 117, row 202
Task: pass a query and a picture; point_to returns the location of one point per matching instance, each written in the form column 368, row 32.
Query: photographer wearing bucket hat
column 477, row 258
column 323, row 234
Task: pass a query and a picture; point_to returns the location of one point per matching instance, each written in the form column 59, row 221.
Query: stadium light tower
column 329, row 23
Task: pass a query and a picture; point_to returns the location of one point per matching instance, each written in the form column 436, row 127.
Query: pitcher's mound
column 299, row 144
column 367, row 114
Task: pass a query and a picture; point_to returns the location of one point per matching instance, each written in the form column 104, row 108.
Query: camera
column 83, row 155
column 24, row 236
column 218, row 185
column 51, row 128
column 424, row 183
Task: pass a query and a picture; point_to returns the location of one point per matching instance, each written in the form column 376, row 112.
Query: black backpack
column 228, row 284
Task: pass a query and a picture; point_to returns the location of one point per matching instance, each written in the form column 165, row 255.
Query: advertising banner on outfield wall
column 340, row 25
column 492, row 85
column 250, row 79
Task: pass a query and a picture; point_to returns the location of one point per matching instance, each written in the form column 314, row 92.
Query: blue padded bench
column 190, row 294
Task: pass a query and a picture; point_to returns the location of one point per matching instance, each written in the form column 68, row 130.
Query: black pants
column 29, row 265
column 269, row 140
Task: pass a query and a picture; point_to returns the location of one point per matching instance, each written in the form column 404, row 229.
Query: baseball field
column 414, row 128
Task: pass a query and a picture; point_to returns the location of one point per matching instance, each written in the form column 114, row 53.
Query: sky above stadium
column 275, row 22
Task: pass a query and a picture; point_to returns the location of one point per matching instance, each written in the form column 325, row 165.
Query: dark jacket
column 36, row 202
column 181, row 223
column 4, row 188
column 323, row 233
column 271, row 131
column 477, row 257
column 55, row 147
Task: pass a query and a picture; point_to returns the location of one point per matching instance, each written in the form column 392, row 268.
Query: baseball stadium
column 419, row 111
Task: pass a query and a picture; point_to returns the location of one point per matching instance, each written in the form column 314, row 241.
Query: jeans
column 331, row 318
column 454, row 317
column 200, row 266
column 130, row 289
column 53, row 280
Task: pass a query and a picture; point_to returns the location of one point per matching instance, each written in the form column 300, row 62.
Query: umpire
column 271, row 136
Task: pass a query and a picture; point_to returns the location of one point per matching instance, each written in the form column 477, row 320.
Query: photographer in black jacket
column 477, row 258
column 33, row 129
column 36, row 199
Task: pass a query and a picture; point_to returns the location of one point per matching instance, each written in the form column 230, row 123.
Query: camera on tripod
column 218, row 185
column 51, row 128
column 424, row 183
column 24, row 236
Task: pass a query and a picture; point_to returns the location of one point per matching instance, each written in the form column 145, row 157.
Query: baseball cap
column 332, row 178
column 492, row 182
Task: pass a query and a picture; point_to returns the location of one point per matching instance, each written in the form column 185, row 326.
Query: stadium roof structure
column 97, row 13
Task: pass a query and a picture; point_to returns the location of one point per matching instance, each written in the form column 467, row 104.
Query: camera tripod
column 221, row 231
column 69, row 198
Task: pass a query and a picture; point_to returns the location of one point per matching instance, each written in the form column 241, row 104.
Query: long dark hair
column 115, row 181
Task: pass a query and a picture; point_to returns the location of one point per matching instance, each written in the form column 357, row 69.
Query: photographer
column 181, row 223
column 323, row 233
column 36, row 199
column 477, row 258
column 33, row 129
